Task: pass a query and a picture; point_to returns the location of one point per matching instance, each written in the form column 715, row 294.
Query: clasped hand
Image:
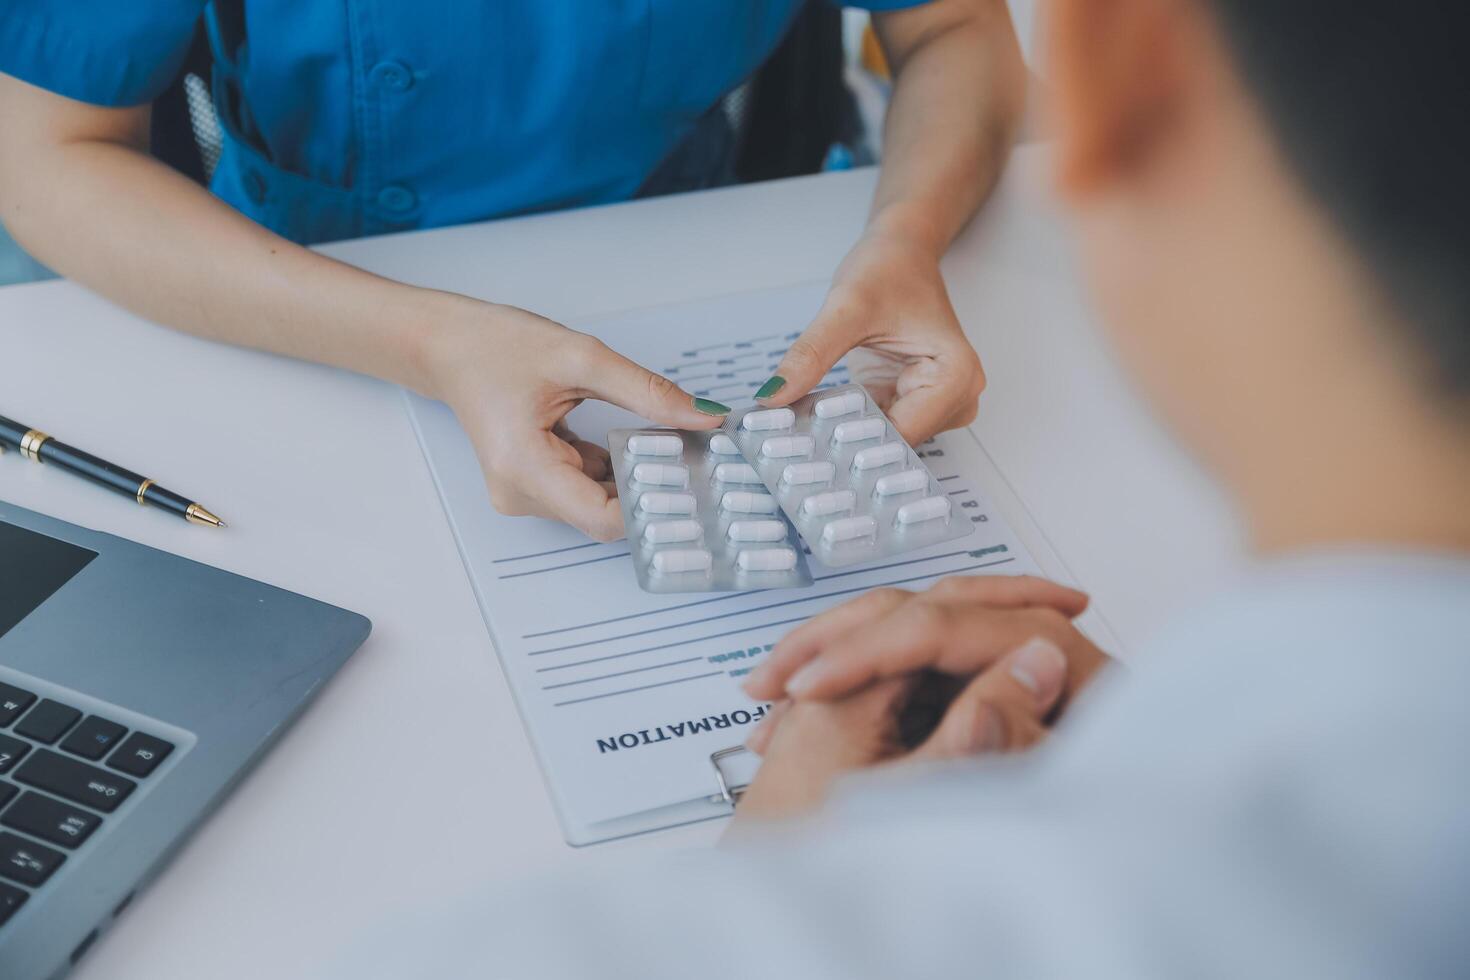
column 843, row 681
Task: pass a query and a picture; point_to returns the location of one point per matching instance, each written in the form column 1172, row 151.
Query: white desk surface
column 412, row 775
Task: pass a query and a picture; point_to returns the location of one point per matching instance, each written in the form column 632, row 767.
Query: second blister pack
column 844, row 476
column 698, row 516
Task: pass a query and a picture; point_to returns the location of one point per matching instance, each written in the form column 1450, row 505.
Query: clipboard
column 731, row 772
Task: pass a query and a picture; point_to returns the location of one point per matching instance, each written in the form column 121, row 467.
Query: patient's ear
column 1121, row 73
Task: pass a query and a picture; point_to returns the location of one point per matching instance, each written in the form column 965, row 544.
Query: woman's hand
column 959, row 626
column 511, row 377
column 808, row 745
column 889, row 300
column 958, row 94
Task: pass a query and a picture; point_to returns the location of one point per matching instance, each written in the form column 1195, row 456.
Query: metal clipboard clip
column 730, row 790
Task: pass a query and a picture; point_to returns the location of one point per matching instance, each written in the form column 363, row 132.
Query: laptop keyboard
column 61, row 773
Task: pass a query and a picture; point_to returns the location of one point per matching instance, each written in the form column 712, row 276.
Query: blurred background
column 792, row 123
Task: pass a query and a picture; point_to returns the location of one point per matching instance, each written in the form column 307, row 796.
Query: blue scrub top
column 365, row 116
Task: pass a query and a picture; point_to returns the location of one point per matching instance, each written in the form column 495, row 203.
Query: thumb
column 1004, row 708
column 809, row 358
column 603, row 373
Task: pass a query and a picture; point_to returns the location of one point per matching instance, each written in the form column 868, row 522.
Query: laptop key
column 94, row 737
column 6, row 792
column 11, row 899
column 48, row 721
column 25, row 862
column 60, row 823
column 13, row 701
column 75, row 781
column 140, row 754
column 11, row 750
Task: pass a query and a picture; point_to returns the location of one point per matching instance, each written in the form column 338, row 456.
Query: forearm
column 135, row 231
column 958, row 97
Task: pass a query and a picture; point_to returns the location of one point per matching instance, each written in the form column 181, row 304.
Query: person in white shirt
column 1272, row 208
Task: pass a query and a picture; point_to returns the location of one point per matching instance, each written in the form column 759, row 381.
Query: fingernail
column 1040, row 666
column 988, row 734
column 706, row 406
column 806, row 678
column 773, row 384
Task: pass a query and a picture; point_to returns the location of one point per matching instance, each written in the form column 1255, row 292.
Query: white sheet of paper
column 625, row 694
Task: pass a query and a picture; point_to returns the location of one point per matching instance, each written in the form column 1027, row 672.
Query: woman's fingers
column 876, row 371
column 1005, row 707
column 933, row 390
column 596, row 462
column 570, row 495
column 836, row 330
column 547, row 478
column 768, row 681
column 601, row 372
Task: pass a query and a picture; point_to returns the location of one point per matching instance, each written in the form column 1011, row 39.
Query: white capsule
column 822, row 504
column 736, row 473
column 671, row 532
column 745, row 502
column 785, row 447
column 682, row 560
column 662, row 474
column 722, row 445
column 756, row 531
column 839, row 405
column 849, row 529
column 768, row 420
column 858, row 430
column 766, row 560
column 906, row 482
column 876, row 456
column 647, row 444
column 666, row 503
column 800, row 474
column 927, row 509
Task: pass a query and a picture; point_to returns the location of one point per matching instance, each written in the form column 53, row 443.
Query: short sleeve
column 114, row 54
column 878, row 6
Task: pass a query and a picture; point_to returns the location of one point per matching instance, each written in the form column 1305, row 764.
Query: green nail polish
column 705, row 406
column 773, row 384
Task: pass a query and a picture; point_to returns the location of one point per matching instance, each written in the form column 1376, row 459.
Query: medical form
column 624, row 694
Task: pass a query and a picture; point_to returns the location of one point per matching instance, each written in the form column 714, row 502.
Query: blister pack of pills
column 844, row 476
column 698, row 516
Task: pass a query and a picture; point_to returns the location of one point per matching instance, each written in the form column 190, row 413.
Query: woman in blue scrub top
column 366, row 116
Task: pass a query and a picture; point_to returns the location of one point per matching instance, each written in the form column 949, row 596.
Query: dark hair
column 1370, row 104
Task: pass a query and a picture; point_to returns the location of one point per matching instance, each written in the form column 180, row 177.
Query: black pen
column 37, row 446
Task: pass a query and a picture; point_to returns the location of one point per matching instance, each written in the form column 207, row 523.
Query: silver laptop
column 136, row 688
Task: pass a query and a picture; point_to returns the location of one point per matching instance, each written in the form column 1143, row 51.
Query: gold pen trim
column 142, row 489
column 198, row 515
column 30, row 444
